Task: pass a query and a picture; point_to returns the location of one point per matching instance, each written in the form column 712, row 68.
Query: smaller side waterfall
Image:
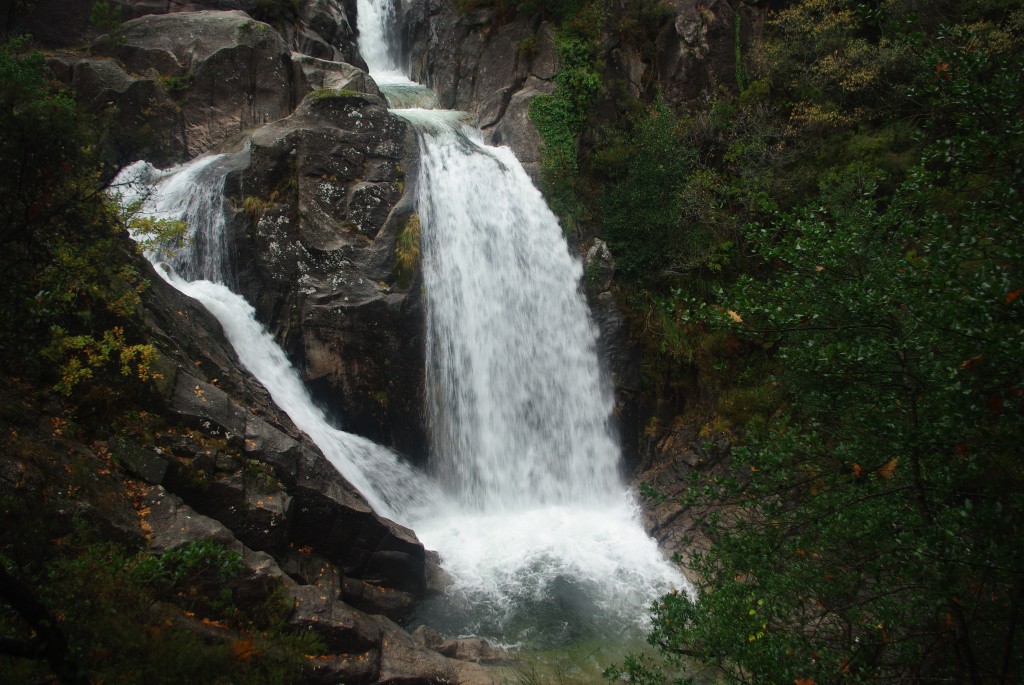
column 392, row 488
column 194, row 192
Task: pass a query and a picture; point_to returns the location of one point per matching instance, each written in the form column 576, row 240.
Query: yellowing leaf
column 885, row 472
column 734, row 316
column 243, row 650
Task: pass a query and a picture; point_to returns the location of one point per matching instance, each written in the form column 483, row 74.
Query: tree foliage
column 74, row 605
column 870, row 532
column 70, row 289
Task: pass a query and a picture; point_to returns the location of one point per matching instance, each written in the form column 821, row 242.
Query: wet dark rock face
column 332, row 186
column 232, row 468
column 317, row 208
column 485, row 70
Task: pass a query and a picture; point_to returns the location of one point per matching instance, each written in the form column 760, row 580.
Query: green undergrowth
column 80, row 599
column 407, row 252
column 831, row 267
column 562, row 117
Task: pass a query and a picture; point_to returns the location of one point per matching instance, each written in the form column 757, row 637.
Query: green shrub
column 407, row 252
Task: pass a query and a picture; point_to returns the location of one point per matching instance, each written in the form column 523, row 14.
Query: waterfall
column 543, row 542
column 542, row 538
column 519, row 415
column 195, row 192
column 376, row 21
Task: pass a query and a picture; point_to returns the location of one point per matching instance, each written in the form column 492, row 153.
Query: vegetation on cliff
column 829, row 239
column 80, row 597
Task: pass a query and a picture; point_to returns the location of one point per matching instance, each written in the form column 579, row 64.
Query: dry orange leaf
column 971, row 362
column 243, row 650
column 885, row 472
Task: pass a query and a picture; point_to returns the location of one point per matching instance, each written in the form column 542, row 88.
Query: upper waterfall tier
column 376, row 21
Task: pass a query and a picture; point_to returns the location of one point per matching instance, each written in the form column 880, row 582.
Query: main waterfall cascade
column 519, row 416
column 542, row 538
column 544, row 544
column 524, row 502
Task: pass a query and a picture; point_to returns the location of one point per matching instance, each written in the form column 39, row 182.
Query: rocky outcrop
column 360, row 648
column 326, row 29
column 237, row 459
column 320, row 28
column 493, row 72
column 699, row 48
column 494, row 68
column 685, row 453
column 326, row 194
column 178, row 78
column 175, row 85
column 318, row 206
column 616, row 348
column 229, row 72
column 142, row 109
column 473, row 649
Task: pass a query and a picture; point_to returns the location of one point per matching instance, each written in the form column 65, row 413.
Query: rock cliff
column 317, row 207
column 494, row 67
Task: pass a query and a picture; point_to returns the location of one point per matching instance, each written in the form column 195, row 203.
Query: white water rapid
column 519, row 414
column 541, row 536
column 378, row 19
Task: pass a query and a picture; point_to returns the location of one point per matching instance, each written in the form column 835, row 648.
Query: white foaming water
column 519, row 412
column 390, row 486
column 545, row 546
column 193, row 192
